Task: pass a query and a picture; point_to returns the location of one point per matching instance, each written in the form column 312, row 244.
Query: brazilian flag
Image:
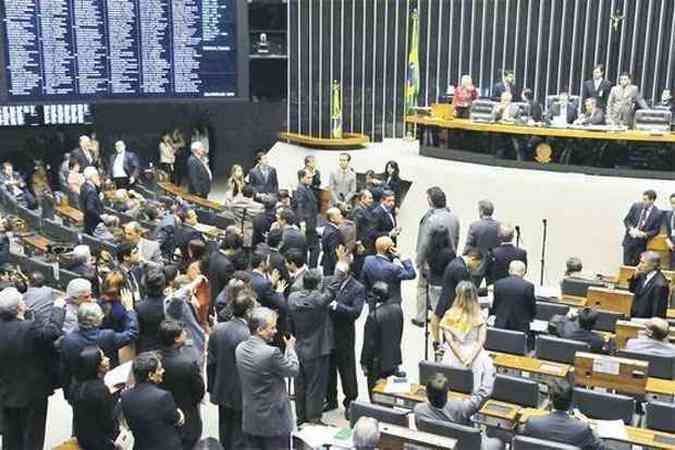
column 412, row 84
column 336, row 112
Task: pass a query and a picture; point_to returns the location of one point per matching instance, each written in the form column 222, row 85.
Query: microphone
column 518, row 229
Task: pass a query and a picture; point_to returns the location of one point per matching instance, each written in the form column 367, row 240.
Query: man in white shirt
column 124, row 166
column 343, row 181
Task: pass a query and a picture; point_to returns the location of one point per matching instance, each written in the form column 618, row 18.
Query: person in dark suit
column 534, row 111
column 151, row 411
column 669, row 220
column 383, row 219
column 267, row 417
column 642, row 223
column 90, row 202
column 25, row 383
column 269, row 289
column 563, row 109
column 597, row 88
column 220, row 271
column 561, row 425
column 331, row 239
column 224, row 385
column 579, row 329
column 123, row 166
column 514, row 305
column 263, row 221
column 183, row 378
column 310, row 324
column 381, row 351
column 276, row 259
column 310, row 167
column 198, row 171
column 387, row 266
column 392, row 181
column 503, row 254
column 307, row 210
column 38, row 297
column 150, row 312
column 592, row 114
column 292, row 236
column 95, row 426
column 507, row 84
column 361, row 215
column 344, row 311
column 484, row 236
column 650, row 288
column 457, row 270
column 263, row 177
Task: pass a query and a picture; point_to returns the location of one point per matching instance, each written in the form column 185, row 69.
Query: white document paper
column 397, row 386
column 317, row 436
column 606, row 365
column 611, row 429
column 117, row 376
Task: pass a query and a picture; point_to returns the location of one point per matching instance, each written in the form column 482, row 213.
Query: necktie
column 643, row 218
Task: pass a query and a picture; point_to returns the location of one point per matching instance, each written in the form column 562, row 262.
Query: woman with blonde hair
column 235, row 183
column 465, row 94
column 464, row 331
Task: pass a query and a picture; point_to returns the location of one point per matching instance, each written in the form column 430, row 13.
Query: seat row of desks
column 176, row 191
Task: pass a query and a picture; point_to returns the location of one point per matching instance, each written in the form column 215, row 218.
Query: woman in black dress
column 392, row 180
column 93, row 405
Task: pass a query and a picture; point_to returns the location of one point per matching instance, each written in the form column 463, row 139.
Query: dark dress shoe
column 329, row 406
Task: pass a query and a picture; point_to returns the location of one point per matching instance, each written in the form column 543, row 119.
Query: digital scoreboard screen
column 83, row 50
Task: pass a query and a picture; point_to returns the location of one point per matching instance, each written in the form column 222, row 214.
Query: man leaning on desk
column 561, row 425
column 440, row 408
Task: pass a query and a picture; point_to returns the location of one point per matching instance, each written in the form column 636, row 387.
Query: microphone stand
column 517, row 235
column 543, row 252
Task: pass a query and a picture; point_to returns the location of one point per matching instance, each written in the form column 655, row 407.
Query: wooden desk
column 465, row 124
column 572, row 300
column 636, row 436
column 406, row 400
column 35, row 243
column 499, row 415
column 670, row 314
column 195, row 200
column 613, row 300
column 70, row 214
column 536, row 369
column 610, row 372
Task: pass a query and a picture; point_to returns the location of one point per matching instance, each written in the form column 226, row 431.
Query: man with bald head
column 649, row 287
column 514, row 305
column 653, row 340
column 387, row 266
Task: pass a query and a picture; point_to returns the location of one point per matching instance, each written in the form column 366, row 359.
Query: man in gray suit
column 653, row 340
column 221, row 369
column 622, row 101
column 313, row 328
column 441, row 409
column 438, row 215
column 149, row 250
column 267, row 418
column 560, row 425
column 483, row 235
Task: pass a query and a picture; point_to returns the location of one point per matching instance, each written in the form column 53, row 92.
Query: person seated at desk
column 667, row 102
column 563, row 110
column 578, row 328
column 653, row 340
column 465, row 94
column 650, row 288
column 534, row 111
column 622, row 102
column 506, row 111
column 592, row 114
column 366, row 434
column 16, row 187
column 440, row 408
column 560, row 425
